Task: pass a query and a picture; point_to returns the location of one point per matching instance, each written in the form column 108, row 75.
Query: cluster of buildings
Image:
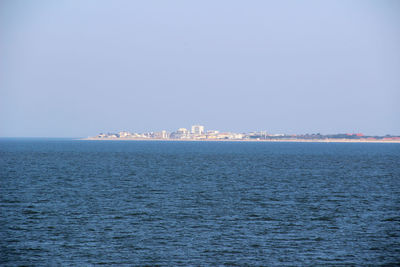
column 198, row 132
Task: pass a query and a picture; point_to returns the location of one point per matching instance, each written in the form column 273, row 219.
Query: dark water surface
column 66, row 202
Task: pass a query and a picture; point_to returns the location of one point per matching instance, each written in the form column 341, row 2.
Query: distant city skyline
column 201, row 133
column 198, row 129
column 78, row 68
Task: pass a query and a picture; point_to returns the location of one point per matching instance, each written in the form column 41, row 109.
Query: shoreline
column 240, row 140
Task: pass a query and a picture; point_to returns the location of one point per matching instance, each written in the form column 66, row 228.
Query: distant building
column 212, row 132
column 181, row 133
column 161, row 135
column 197, row 129
column 237, row 136
column 124, row 134
column 224, row 136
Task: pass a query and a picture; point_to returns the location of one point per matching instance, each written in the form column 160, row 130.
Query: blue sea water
column 70, row 202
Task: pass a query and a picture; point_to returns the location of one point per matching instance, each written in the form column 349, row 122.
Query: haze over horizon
column 78, row 68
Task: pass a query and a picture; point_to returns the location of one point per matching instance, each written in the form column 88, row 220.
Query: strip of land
column 199, row 134
column 247, row 140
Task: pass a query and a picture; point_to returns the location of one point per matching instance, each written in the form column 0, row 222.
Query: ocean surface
column 69, row 202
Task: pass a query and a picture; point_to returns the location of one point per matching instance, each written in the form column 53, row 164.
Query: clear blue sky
column 77, row 68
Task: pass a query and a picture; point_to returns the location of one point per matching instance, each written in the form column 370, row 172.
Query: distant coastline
column 198, row 133
column 246, row 140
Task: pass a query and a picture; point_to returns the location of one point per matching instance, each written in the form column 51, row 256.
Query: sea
column 67, row 202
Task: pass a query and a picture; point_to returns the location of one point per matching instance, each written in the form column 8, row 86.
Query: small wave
column 28, row 211
column 322, row 218
column 392, row 219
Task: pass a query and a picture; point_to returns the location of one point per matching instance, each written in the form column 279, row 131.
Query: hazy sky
column 77, row 68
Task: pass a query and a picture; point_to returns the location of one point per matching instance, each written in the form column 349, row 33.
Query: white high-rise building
column 197, row 129
column 164, row 134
